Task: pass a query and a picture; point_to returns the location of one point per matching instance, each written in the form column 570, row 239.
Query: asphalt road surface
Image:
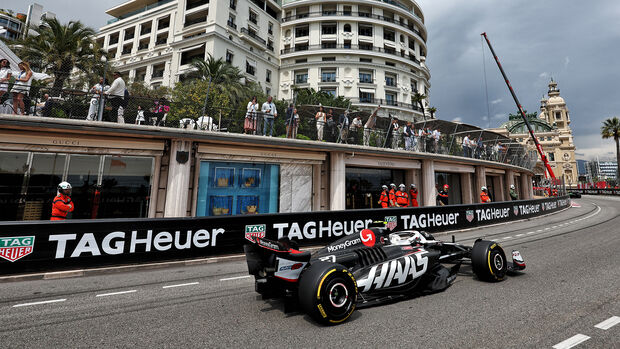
column 568, row 295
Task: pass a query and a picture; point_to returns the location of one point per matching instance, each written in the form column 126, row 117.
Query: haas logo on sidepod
column 368, row 237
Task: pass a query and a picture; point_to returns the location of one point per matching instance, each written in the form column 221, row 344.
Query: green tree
column 140, row 89
column 58, row 49
column 432, row 110
column 309, row 96
column 417, row 99
column 221, row 73
column 611, row 129
column 189, row 97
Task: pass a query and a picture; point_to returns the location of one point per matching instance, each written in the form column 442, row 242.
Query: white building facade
column 372, row 52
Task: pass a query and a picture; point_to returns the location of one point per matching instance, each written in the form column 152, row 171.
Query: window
column 366, row 76
column 145, row 28
column 389, row 50
column 195, row 3
column 347, row 28
column 365, row 46
column 113, row 39
column 253, row 17
column 268, row 75
column 551, row 157
column 129, row 34
column 329, row 91
column 188, row 56
column 558, row 115
column 346, row 44
column 328, row 59
column 267, row 91
column 301, row 77
column 231, row 21
column 328, row 29
column 364, row 11
column 366, row 97
column 414, row 86
column 391, row 64
column 388, row 35
column 229, row 56
column 366, row 60
column 328, row 75
column 270, row 28
column 346, row 11
column 390, row 80
column 301, row 60
column 270, row 45
column 301, row 31
column 364, row 30
column 390, row 99
column 329, row 10
column 163, row 23
column 328, row 44
column 233, row 4
column 250, row 67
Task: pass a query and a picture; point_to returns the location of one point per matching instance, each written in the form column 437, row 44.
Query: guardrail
column 38, row 246
column 597, row 191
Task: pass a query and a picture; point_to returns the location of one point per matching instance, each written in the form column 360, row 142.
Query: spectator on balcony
column 421, row 140
column 96, row 91
column 289, row 119
column 407, row 135
column 140, row 116
column 269, row 113
column 249, row 125
column 331, row 129
column 501, row 150
column 160, row 111
column 45, row 106
column 5, row 76
column 321, row 119
column 395, row 133
column 21, row 88
column 428, row 139
column 356, row 125
column 370, row 125
column 294, row 124
column 466, row 143
column 343, row 125
column 116, row 94
column 436, row 136
column 479, row 148
column 414, row 138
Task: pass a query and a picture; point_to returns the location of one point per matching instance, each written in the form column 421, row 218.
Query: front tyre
column 489, row 261
column 327, row 292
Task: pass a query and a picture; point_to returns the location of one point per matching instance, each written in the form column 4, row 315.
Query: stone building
column 552, row 127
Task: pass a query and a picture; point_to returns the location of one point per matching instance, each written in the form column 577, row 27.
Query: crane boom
column 514, row 96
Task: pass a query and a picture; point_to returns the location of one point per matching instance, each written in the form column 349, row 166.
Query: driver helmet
column 484, row 188
column 384, row 187
column 64, row 188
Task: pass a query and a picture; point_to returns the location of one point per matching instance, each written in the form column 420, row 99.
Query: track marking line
column 572, row 341
column 539, row 230
column 115, row 293
column 507, row 238
column 181, row 285
column 609, row 323
column 519, row 235
column 530, row 233
column 236, row 278
column 555, row 226
column 42, row 302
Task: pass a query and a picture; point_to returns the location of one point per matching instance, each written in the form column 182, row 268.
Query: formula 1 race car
column 367, row 268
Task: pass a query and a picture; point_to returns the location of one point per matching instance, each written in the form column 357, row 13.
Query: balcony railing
column 231, row 24
column 380, row 101
column 353, row 13
column 253, row 36
column 191, row 5
column 348, row 47
column 140, row 10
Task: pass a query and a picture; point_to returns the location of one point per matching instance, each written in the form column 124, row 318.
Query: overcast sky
column 575, row 42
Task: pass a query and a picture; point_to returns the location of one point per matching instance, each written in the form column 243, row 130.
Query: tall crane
column 529, row 127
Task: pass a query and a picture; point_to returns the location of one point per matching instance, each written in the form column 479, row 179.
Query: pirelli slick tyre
column 327, row 292
column 489, row 260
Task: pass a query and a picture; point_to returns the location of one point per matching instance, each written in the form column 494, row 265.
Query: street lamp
column 104, row 60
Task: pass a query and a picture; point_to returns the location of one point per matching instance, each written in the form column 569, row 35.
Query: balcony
column 368, row 47
column 194, row 4
column 135, row 12
column 253, row 35
column 231, row 24
column 352, row 13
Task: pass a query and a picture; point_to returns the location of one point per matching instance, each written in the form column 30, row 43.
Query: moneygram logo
column 256, row 230
column 367, row 237
column 14, row 248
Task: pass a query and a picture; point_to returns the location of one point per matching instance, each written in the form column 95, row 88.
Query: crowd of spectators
column 15, row 85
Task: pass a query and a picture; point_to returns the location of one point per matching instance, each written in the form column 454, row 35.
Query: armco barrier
column 52, row 246
column 597, row 191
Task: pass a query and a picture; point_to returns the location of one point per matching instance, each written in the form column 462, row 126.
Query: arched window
column 347, row 28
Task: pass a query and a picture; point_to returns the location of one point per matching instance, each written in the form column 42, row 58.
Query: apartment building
column 371, row 51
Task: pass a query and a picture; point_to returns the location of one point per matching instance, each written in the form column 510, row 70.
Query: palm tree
column 611, row 129
column 60, row 48
column 432, row 110
column 221, row 73
column 417, row 98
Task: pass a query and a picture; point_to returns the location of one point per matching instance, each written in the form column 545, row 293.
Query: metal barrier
column 37, row 246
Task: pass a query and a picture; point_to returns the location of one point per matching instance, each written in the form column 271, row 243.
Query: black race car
column 367, row 268
column 574, row 194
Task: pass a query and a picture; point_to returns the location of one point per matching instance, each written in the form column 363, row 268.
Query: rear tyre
column 327, row 292
column 489, row 260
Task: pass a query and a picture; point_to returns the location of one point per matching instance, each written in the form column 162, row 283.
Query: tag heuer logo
column 516, row 210
column 14, row 248
column 256, row 230
column 391, row 222
column 469, row 214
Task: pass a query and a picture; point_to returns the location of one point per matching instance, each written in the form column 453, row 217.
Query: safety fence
column 43, row 246
column 431, row 135
column 615, row 192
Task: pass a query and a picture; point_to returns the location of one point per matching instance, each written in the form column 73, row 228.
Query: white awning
column 367, row 90
column 251, row 63
column 389, row 44
column 191, row 48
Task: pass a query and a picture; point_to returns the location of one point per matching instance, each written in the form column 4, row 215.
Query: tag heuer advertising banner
column 36, row 246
